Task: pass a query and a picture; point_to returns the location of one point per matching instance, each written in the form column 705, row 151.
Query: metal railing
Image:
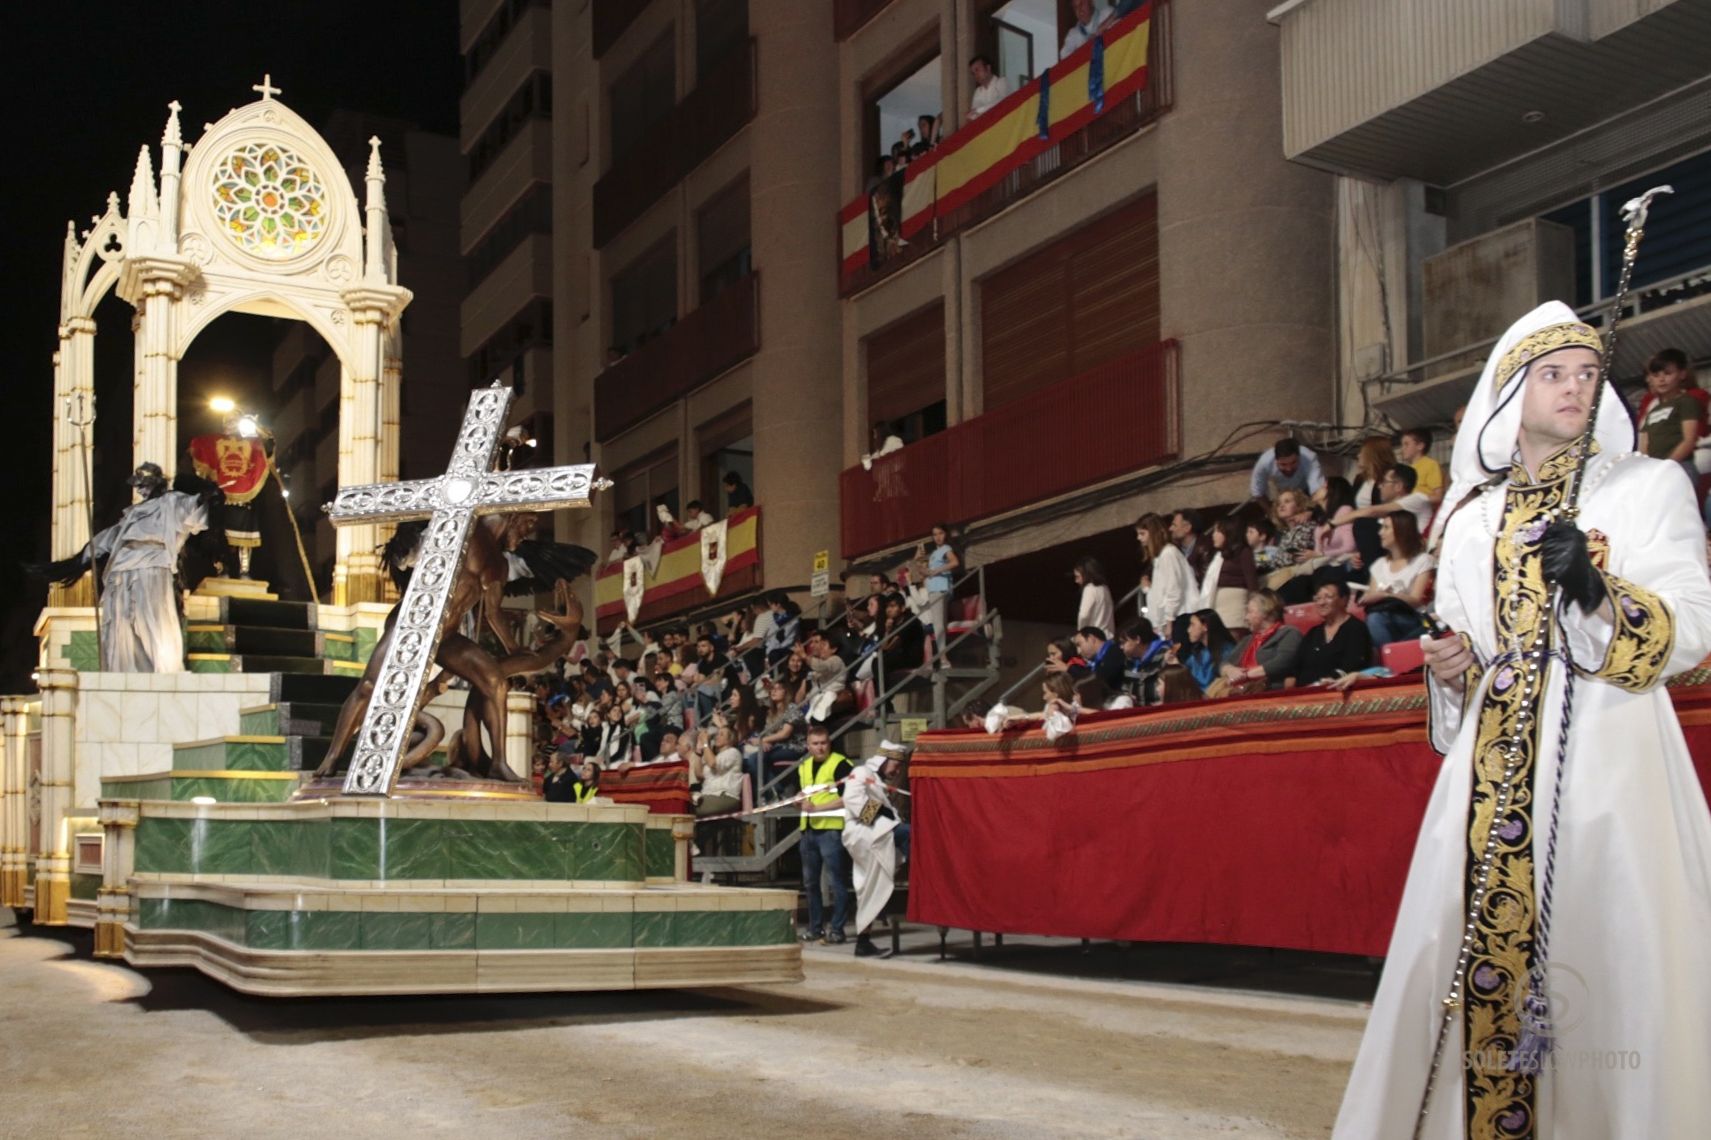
column 770, row 845
column 1034, row 673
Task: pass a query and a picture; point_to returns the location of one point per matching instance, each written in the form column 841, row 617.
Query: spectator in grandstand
column 990, row 88
column 1094, row 693
column 1170, row 584
column 1187, row 532
column 1674, row 363
column 710, row 673
column 902, row 641
column 1376, row 457
column 786, row 625
column 737, row 493
column 696, row 516
column 1339, row 644
column 1090, row 19
column 718, row 768
column 1411, row 447
column 1176, row 684
column 1400, row 583
column 1209, row 642
column 1673, row 419
column 1097, row 608
column 623, row 545
column 1062, row 656
column 1285, row 464
column 1102, row 654
column 559, row 784
column 1261, row 536
column 939, row 569
column 1232, row 575
column 1265, row 658
column 782, row 737
column 1144, row 652
column 1397, row 493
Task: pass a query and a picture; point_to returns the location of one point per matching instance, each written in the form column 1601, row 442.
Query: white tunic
column 873, row 852
column 140, row 630
column 1630, row 992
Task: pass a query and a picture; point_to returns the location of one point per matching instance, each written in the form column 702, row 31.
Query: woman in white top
column 1097, row 611
column 1170, row 585
column 719, row 767
column 1401, row 582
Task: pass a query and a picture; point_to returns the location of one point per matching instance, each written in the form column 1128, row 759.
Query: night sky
column 88, row 83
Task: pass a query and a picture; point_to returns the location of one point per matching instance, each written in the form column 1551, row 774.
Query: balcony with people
column 1023, row 131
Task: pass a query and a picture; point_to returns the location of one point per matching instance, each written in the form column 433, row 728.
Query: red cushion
column 1403, row 656
column 1303, row 617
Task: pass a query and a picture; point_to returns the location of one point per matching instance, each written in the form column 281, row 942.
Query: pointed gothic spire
column 174, row 136
column 142, row 199
column 379, row 229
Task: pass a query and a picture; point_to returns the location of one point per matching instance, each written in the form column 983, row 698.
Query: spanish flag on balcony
column 676, row 583
column 1101, row 72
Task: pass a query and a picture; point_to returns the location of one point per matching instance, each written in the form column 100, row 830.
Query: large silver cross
column 451, row 503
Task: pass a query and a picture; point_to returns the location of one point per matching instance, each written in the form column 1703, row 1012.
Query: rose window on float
column 269, row 201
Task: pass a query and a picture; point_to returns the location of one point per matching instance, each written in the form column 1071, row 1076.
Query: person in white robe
column 141, row 630
column 870, row 836
column 1623, row 996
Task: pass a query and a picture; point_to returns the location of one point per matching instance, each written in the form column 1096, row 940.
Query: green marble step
column 338, row 646
column 393, row 930
column 251, row 753
column 254, row 640
column 289, row 718
column 311, row 688
column 397, row 849
column 221, row 786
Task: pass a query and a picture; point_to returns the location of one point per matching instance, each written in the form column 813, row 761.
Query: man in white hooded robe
column 1629, row 905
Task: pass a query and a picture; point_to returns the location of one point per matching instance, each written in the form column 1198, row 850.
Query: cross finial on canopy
column 266, row 87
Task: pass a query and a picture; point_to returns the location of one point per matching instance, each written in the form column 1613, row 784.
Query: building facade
column 1483, row 154
column 1091, row 301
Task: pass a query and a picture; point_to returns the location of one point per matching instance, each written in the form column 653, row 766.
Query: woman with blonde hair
column 1168, row 580
column 1376, row 457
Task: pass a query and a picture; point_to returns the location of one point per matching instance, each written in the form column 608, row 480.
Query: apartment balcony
column 721, row 105
column 526, row 273
column 848, row 16
column 997, row 160
column 676, row 586
column 713, row 339
column 1114, row 420
column 1440, row 90
column 527, row 48
column 526, row 159
column 611, row 17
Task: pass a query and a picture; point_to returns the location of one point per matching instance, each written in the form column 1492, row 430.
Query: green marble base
column 359, row 896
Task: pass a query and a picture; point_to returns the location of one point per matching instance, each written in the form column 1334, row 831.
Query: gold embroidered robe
column 1627, row 980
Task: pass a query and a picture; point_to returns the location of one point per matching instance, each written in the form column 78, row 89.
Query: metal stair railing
column 1004, row 697
column 769, row 847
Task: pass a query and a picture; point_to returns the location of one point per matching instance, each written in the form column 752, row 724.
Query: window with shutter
column 906, row 365
column 1085, row 299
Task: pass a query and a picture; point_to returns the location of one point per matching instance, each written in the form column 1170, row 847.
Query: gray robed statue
column 136, row 560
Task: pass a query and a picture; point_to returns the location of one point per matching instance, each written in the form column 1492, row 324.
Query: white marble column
column 14, row 806
column 53, row 860
column 74, row 376
column 356, row 573
column 159, row 286
column 519, row 731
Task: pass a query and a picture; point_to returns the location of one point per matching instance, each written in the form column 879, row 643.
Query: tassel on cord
column 1536, row 1040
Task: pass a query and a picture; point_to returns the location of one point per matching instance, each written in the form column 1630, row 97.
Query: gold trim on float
column 53, row 896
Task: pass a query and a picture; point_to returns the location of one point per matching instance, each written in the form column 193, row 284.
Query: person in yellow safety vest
column 588, row 782
column 822, row 844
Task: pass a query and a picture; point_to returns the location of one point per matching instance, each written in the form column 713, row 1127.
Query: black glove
column 1567, row 563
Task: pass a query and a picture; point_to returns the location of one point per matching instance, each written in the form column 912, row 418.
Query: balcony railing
column 721, row 104
column 1118, row 418
column 1003, row 157
column 676, row 583
column 719, row 335
column 611, row 17
column 849, row 15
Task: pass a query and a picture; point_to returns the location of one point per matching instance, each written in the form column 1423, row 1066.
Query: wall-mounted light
column 222, row 405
